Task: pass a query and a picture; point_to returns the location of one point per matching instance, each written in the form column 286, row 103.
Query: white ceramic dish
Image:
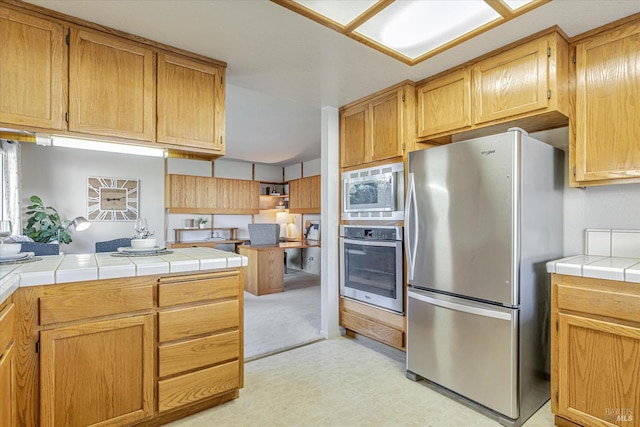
column 143, row 243
column 16, row 257
column 9, row 249
column 150, row 250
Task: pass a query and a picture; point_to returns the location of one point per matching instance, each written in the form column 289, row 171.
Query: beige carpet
column 278, row 322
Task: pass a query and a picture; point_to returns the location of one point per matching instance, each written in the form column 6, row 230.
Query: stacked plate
column 140, row 251
column 20, row 256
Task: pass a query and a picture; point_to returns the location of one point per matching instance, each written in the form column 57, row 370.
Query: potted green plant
column 202, row 222
column 44, row 224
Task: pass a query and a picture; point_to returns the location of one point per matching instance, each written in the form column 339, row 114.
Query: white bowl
column 143, row 243
column 10, row 248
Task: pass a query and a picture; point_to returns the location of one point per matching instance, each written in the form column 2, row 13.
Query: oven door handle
column 411, row 226
column 365, row 242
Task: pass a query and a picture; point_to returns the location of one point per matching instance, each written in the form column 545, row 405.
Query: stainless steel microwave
column 375, row 193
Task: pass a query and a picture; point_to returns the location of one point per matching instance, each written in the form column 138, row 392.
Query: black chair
column 40, row 249
column 113, row 245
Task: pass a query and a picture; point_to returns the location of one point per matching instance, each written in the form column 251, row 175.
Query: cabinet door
column 99, row 372
column 444, row 104
column 295, row 195
column 512, row 83
column 304, row 195
column 33, row 71
column 111, row 86
column 191, row 101
column 598, row 370
column 354, row 136
column 386, row 126
column 7, row 387
column 607, row 127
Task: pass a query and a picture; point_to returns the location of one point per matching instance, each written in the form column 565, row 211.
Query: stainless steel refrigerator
column 481, row 219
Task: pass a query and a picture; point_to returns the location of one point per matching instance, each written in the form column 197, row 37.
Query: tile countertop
column 54, row 269
column 598, row 267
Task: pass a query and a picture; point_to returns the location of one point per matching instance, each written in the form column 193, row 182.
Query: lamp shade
column 80, row 223
column 283, row 218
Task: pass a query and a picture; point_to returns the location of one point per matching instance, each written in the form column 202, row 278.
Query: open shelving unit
column 230, row 239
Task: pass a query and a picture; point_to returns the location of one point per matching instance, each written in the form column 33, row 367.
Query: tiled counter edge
column 598, row 267
column 54, row 269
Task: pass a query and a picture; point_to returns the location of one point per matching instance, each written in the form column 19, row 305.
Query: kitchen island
column 595, row 339
column 124, row 340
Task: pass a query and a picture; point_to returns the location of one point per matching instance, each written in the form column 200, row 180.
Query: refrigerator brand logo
column 487, row 152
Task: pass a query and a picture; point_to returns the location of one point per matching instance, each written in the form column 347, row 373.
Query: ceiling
column 283, row 68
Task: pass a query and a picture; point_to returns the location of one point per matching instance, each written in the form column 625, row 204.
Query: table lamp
column 292, row 230
column 283, row 218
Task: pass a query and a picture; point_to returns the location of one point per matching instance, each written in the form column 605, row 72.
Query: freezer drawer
column 468, row 347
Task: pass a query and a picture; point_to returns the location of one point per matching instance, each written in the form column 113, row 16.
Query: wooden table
column 265, row 272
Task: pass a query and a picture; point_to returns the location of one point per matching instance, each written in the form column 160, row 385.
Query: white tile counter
column 598, row 267
column 54, row 269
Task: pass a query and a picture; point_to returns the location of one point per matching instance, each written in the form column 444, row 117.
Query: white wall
column 59, row 176
column 607, row 206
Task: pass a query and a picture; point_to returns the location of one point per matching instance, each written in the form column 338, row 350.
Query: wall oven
column 375, row 193
column 371, row 266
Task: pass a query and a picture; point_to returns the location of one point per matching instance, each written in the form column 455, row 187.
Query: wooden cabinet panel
column 386, row 127
column 85, row 305
column 376, row 128
column 444, row 104
column 598, row 368
column 304, row 195
column 97, row 373
column 33, row 71
column 353, row 136
column 7, row 323
column 381, row 325
column 511, row 83
column 197, row 353
column 264, row 273
column 205, row 195
column 201, row 319
column 197, row 289
column 607, row 102
column 595, row 351
column 189, row 388
column 191, row 100
column 7, row 387
column 111, row 86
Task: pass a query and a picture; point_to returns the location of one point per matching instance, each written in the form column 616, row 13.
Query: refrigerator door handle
column 460, row 307
column 410, row 227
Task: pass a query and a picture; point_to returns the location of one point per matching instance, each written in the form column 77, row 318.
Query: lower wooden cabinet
column 380, row 325
column 200, row 338
column 99, row 372
column 119, row 352
column 595, row 344
column 7, row 367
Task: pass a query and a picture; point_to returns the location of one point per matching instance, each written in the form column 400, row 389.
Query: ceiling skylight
column 411, row 30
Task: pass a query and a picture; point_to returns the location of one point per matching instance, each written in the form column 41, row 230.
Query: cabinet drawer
column 202, row 319
column 195, row 386
column 193, row 354
column 373, row 330
column 98, row 303
column 7, row 317
column 603, row 302
column 225, row 285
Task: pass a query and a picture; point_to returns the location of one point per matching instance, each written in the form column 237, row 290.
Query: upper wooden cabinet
column 444, row 104
column 524, row 84
column 205, row 195
column 516, row 81
column 33, row 71
column 304, row 195
column 605, row 146
column 191, row 103
column 111, row 86
column 376, row 128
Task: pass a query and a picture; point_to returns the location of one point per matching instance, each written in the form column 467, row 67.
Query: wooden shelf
column 233, row 235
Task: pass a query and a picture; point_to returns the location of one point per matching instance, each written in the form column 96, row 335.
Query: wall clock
column 112, row 199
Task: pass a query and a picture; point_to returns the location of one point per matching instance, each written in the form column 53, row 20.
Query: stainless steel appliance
column 374, row 193
column 482, row 218
column 371, row 267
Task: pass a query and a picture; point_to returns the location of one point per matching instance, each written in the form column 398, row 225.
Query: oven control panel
column 371, row 232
